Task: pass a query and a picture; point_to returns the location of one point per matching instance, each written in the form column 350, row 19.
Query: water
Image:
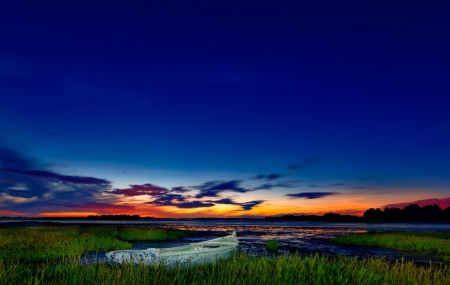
column 303, row 237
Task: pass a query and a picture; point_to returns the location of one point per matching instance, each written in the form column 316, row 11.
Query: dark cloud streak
column 145, row 189
column 213, row 188
column 179, row 201
column 281, row 184
column 268, row 177
column 180, row 189
column 57, row 177
column 328, row 185
column 11, row 159
column 311, row 195
column 246, row 206
column 306, row 162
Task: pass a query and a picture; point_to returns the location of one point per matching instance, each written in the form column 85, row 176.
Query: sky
column 223, row 108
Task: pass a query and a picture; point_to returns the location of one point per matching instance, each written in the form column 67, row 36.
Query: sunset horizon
column 256, row 196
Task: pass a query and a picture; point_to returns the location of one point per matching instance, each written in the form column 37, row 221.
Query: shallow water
column 302, row 237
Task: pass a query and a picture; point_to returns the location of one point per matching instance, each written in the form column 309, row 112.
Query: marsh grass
column 437, row 243
column 272, row 245
column 28, row 257
column 239, row 269
column 53, row 242
column 143, row 234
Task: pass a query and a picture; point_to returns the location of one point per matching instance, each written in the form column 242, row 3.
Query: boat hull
column 147, row 257
column 196, row 253
column 132, row 256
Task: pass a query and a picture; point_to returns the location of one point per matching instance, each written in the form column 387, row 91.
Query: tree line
column 113, row 217
column 412, row 213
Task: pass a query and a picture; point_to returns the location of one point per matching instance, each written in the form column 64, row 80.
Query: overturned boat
column 194, row 253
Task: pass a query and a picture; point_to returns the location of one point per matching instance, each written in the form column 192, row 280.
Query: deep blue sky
column 177, row 93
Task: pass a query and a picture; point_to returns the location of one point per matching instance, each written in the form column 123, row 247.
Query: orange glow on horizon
column 344, row 204
column 10, row 213
column 67, row 214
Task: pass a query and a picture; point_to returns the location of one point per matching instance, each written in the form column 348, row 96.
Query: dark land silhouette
column 100, row 217
column 410, row 214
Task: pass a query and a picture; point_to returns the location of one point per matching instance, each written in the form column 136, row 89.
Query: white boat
column 194, row 253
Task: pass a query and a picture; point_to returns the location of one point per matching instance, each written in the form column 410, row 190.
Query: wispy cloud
column 12, row 159
column 268, row 177
column 245, row 205
column 30, row 187
column 193, row 204
column 294, row 167
column 102, row 207
column 311, row 195
column 182, row 205
column 24, row 177
column 145, row 189
column 163, row 196
column 306, row 162
column 214, row 188
column 226, row 201
column 327, row 185
column 177, row 196
column 57, row 177
column 312, row 160
column 281, row 184
column 164, row 200
column 180, row 189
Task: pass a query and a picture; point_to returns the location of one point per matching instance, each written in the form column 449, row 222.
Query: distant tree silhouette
column 329, row 217
column 393, row 214
column 113, row 217
column 373, row 215
column 332, row 217
column 412, row 214
column 446, row 215
column 432, row 213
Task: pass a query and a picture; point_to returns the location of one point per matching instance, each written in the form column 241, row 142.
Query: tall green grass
column 239, row 269
column 272, row 245
column 143, row 234
column 53, row 242
column 28, row 257
column 437, row 243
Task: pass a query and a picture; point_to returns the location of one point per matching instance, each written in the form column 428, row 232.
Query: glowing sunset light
column 68, row 214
